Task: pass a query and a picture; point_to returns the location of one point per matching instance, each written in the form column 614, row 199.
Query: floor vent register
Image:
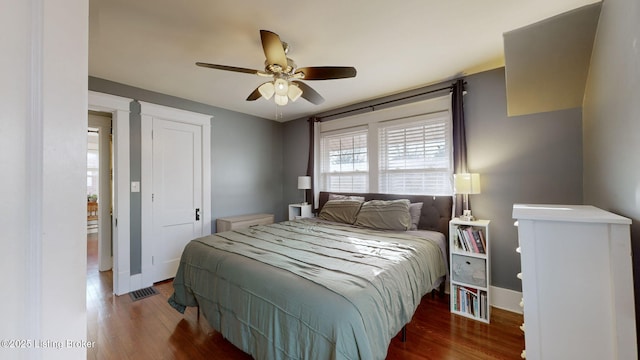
column 143, row 293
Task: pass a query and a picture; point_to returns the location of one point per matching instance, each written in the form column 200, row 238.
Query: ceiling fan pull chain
column 278, row 111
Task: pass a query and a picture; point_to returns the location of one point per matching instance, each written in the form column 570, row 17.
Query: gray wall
column 295, row 155
column 521, row 159
column 246, row 159
column 525, row 159
column 612, row 120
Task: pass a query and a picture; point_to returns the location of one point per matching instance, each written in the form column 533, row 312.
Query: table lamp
column 466, row 184
column 304, row 183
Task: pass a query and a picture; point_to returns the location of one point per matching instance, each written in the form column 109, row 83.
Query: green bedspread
column 306, row 289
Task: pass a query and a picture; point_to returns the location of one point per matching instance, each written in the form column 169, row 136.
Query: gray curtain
column 310, row 161
column 459, row 139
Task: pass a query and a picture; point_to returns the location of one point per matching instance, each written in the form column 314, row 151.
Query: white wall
column 611, row 129
column 43, row 157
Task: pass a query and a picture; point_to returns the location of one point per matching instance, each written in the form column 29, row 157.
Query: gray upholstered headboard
column 436, row 210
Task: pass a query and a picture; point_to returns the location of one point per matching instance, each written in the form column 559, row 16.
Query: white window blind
column 344, row 161
column 415, row 155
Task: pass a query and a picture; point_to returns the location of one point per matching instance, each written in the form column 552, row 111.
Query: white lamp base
column 466, row 216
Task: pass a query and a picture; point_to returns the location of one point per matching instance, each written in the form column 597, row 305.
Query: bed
column 317, row 288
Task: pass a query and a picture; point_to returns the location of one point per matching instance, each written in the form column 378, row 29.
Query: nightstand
column 470, row 272
column 298, row 211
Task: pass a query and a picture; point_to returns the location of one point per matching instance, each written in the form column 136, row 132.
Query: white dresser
column 577, row 282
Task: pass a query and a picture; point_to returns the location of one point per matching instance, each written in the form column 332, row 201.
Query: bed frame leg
column 404, row 333
column 441, row 290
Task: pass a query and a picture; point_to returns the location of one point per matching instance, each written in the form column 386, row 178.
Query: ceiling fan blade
column 273, row 49
column 327, row 72
column 309, row 94
column 228, row 68
column 255, row 95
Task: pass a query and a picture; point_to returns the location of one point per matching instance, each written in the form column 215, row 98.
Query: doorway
column 99, row 188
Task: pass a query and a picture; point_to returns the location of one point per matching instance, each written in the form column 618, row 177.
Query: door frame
column 148, row 112
column 121, row 227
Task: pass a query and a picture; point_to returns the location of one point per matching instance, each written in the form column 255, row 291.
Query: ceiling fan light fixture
column 267, row 90
column 281, row 100
column 281, row 86
column 294, row 92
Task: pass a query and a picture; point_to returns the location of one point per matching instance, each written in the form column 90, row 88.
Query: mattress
column 308, row 289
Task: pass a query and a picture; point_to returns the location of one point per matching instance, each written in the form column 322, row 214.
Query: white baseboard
column 506, row 299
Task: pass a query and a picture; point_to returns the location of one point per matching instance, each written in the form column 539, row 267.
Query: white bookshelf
column 470, row 269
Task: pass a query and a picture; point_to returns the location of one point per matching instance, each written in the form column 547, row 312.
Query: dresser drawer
column 469, row 270
column 243, row 221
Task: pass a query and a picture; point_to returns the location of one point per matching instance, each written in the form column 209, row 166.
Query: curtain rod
column 373, row 106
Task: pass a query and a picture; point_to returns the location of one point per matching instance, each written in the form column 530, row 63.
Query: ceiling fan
column 285, row 84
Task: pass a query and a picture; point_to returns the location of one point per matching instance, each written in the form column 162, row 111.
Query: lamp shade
column 294, row 92
column 466, row 183
column 281, row 87
column 267, row 90
column 304, row 182
column 281, row 100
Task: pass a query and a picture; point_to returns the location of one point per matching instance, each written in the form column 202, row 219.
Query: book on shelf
column 461, row 239
column 478, row 241
column 457, row 242
column 482, row 240
column 470, row 301
column 470, row 239
column 483, row 305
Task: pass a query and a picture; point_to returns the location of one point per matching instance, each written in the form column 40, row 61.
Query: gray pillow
column 344, row 211
column 385, row 215
column 414, row 210
column 345, row 197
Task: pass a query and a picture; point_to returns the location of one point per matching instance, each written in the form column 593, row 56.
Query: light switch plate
column 135, row 186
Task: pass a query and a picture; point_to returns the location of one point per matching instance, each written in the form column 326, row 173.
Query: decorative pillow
column 385, row 215
column 345, row 197
column 414, row 210
column 344, row 211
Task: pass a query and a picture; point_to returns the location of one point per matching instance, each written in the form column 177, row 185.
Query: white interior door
column 177, row 193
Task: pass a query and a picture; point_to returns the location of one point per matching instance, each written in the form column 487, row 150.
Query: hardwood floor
column 150, row 329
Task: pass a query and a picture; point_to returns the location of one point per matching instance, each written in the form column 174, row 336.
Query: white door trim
column 119, row 109
column 148, row 112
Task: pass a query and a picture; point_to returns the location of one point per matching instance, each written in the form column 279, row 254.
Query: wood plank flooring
column 150, row 329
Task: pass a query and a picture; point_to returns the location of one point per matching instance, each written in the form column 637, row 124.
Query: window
column 407, row 149
column 415, row 155
column 344, row 162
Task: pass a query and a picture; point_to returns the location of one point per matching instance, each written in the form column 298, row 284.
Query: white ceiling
column 395, row 46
